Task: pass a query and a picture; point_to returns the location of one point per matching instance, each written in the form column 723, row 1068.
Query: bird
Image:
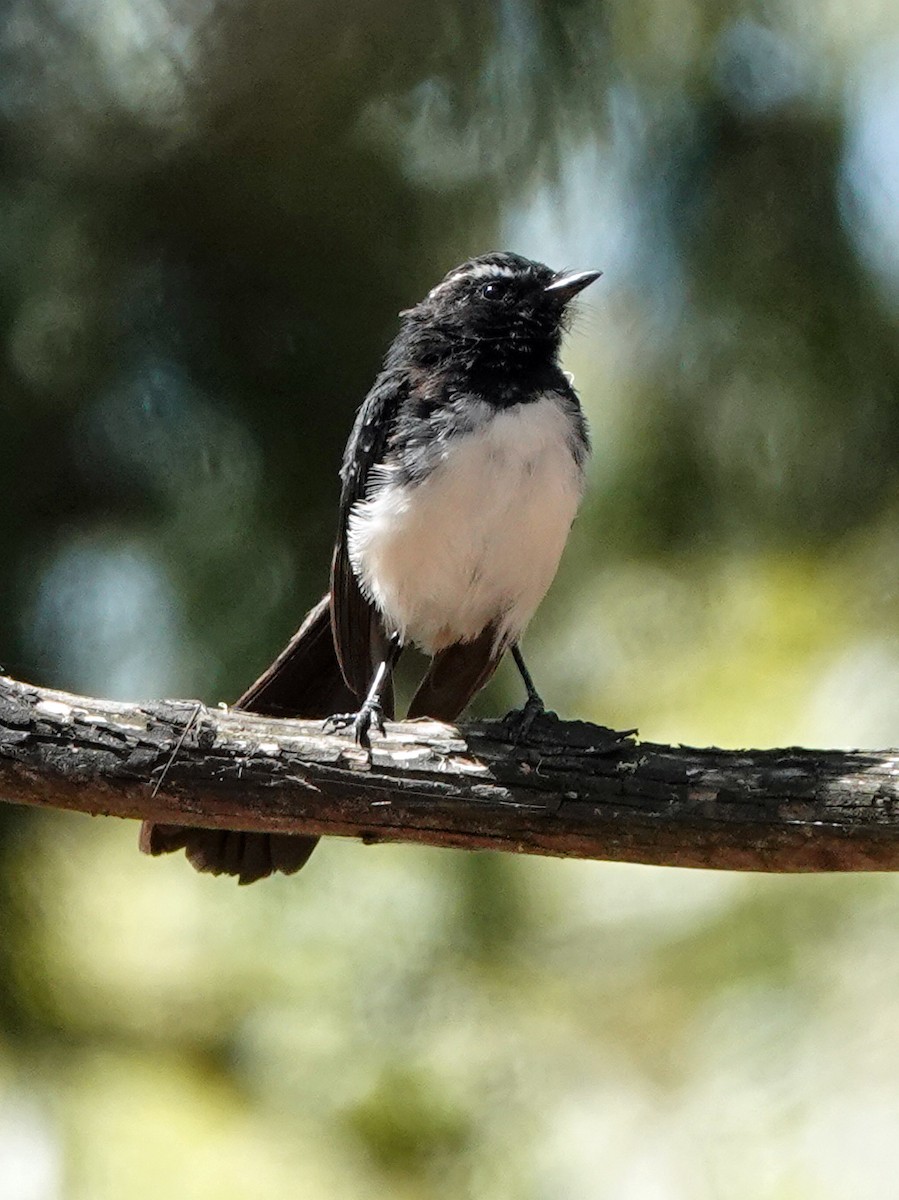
column 461, row 478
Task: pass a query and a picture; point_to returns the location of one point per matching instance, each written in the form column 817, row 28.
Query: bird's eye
column 493, row 290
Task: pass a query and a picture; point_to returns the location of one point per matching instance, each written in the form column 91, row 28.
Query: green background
column 210, row 214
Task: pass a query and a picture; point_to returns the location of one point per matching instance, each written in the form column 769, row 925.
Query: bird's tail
column 305, row 680
column 456, row 675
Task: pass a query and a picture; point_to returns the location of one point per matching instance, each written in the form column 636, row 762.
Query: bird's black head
column 496, row 313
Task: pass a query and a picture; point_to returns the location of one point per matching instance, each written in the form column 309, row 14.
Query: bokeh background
column 210, row 214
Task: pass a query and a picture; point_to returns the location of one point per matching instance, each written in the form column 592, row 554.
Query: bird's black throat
column 503, row 371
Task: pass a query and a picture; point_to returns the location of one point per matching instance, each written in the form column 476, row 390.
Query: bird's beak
column 566, row 286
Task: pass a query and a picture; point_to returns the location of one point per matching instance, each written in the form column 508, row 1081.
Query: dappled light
column 210, row 215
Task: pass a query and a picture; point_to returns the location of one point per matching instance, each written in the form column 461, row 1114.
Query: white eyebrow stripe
column 485, row 270
column 478, row 271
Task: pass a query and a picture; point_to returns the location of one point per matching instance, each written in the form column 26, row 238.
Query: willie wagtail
column 461, row 478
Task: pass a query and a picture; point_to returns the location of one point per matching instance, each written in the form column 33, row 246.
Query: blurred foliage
column 209, row 216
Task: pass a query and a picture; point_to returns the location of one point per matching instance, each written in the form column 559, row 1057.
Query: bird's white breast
column 479, row 539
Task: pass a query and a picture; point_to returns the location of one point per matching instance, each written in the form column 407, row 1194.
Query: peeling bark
column 573, row 790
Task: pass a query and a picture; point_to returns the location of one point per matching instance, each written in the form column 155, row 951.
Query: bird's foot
column 520, row 720
column 361, row 722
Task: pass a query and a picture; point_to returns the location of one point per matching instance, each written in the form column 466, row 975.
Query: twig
column 191, row 721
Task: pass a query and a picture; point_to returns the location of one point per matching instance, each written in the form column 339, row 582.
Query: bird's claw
column 520, row 720
column 360, row 722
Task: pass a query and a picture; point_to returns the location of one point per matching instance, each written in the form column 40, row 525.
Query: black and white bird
column 461, row 478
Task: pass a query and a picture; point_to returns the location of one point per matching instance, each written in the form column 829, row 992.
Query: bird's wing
column 358, row 630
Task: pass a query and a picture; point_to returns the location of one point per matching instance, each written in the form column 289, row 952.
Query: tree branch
column 574, row 789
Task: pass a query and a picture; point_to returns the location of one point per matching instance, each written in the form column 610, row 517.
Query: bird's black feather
column 484, row 340
column 358, row 630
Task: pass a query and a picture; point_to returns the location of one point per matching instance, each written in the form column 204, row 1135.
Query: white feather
column 477, row 271
column 479, row 540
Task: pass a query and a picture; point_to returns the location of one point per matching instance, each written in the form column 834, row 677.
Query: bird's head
column 500, row 309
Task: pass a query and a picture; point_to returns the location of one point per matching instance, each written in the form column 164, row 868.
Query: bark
column 573, row 789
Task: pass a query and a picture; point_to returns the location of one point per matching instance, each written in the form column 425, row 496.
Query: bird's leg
column 520, row 720
column 371, row 710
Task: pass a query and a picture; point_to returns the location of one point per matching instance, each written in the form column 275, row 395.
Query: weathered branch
column 574, row 790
